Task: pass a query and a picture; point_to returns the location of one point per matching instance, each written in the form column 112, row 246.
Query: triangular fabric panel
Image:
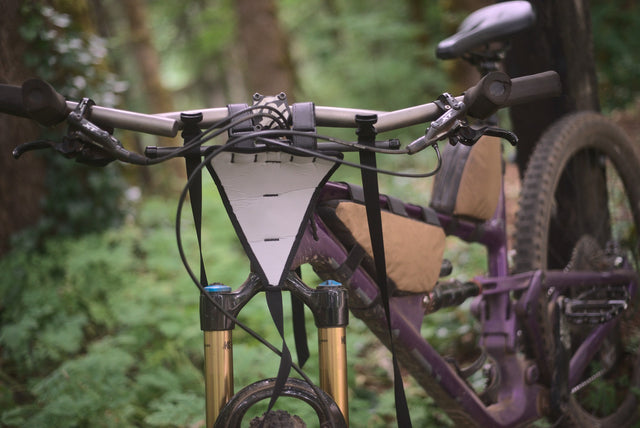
column 267, row 196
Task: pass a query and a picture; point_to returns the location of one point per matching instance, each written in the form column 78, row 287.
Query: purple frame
column 521, row 398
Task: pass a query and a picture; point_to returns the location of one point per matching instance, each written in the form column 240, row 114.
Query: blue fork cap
column 330, row 283
column 217, row 288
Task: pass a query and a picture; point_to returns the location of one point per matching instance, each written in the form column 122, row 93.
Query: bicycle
column 549, row 333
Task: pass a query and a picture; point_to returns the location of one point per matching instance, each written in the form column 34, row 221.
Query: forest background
column 98, row 321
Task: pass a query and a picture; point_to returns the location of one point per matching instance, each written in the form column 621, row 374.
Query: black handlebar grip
column 43, row 103
column 488, row 95
column 11, row 101
column 534, row 87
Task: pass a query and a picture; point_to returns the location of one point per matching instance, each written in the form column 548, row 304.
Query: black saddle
column 489, row 24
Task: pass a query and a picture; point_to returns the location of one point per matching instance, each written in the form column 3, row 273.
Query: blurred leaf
column 176, row 409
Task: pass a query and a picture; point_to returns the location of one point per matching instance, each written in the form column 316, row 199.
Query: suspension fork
column 328, row 303
column 218, row 343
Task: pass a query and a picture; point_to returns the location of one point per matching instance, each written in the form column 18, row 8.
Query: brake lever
column 78, row 121
column 72, row 146
column 511, row 137
column 441, row 127
column 102, row 140
column 79, row 143
column 31, row 146
column 468, row 135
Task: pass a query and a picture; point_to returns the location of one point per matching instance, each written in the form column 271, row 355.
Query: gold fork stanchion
column 332, row 348
column 218, row 372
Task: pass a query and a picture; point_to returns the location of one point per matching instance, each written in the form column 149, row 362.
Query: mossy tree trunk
column 21, row 183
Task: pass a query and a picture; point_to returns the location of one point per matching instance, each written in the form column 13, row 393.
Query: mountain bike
column 559, row 332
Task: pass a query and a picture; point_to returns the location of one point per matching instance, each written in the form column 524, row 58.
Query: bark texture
column 562, row 41
column 269, row 69
column 21, row 182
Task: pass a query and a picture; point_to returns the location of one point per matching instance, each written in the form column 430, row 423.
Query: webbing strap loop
column 274, row 302
column 190, row 131
column 366, row 136
column 299, row 327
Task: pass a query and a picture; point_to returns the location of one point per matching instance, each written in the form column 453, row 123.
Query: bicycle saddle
column 485, row 25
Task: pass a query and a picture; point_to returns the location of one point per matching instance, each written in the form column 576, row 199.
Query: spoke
column 587, row 350
column 595, row 376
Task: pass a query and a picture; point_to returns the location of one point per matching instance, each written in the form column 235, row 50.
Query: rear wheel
column 580, row 210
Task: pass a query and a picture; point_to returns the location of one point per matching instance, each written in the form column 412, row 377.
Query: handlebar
column 523, row 89
column 39, row 101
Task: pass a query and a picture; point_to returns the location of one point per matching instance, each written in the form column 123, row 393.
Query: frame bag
column 468, row 185
column 413, row 247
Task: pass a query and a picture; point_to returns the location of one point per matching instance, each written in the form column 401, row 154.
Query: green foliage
column 62, row 51
column 92, row 334
column 202, row 36
column 175, row 409
column 364, row 54
column 76, row 391
column 79, row 199
column 615, row 26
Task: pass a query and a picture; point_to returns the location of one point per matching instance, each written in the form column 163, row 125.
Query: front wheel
column 325, row 412
column 579, row 209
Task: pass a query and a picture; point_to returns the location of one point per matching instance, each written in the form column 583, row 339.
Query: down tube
column 432, row 372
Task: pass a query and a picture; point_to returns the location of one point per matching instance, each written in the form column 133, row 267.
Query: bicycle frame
column 502, row 320
column 521, row 396
column 494, row 309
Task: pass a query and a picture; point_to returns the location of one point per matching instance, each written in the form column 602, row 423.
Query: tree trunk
column 269, row 69
column 159, row 99
column 561, row 41
column 146, row 56
column 21, row 183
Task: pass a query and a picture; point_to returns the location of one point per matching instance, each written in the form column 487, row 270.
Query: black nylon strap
column 348, row 267
column 366, row 136
column 195, row 198
column 299, row 327
column 190, row 131
column 274, row 302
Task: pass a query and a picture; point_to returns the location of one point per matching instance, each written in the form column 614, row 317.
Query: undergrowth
column 99, row 331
